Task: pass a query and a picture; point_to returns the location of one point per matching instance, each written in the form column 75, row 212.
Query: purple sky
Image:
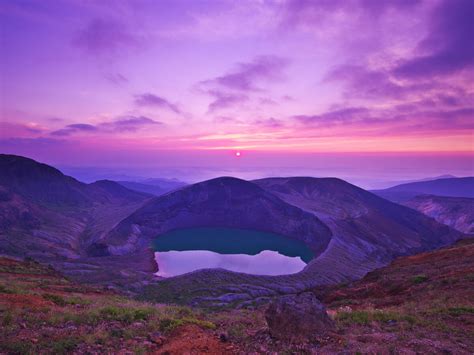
column 382, row 85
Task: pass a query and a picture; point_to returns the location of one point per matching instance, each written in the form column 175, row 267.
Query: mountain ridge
column 450, row 187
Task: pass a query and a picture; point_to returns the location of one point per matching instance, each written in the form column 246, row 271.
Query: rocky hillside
column 366, row 232
column 55, row 218
column 420, row 304
column 456, row 212
column 221, row 202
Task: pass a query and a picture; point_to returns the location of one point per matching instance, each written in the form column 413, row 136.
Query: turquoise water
column 185, row 250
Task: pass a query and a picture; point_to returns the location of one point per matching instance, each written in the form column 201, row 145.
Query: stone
column 156, row 338
column 223, row 337
column 298, row 318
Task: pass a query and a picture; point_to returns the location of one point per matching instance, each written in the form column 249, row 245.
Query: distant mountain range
column 154, row 186
column 102, row 232
column 448, row 200
column 454, row 187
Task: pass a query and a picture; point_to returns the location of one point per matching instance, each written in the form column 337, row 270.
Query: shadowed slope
column 456, row 212
column 52, row 217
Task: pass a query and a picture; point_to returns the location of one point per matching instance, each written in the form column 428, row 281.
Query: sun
column 238, row 154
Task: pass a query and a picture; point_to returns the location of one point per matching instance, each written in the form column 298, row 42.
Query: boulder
column 297, row 318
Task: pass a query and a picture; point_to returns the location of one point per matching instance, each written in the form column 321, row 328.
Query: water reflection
column 267, row 262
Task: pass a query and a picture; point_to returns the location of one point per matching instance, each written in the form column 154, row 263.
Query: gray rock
column 297, row 318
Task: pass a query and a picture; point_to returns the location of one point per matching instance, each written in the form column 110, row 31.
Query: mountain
column 365, row 232
column 166, row 184
column 221, row 202
column 155, row 187
column 456, row 212
column 454, row 187
column 101, row 232
column 54, row 218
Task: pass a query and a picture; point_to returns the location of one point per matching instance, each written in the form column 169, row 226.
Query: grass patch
column 126, row 314
column 56, row 299
column 366, row 317
column 17, row 347
column 169, row 324
column 459, row 311
column 418, row 279
column 64, row 346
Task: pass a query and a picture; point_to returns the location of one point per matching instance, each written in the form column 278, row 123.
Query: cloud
column 341, row 116
column 413, row 120
column 449, row 46
column 246, row 76
column 74, row 128
column 148, row 99
column 18, row 129
column 105, row 36
column 116, row 78
column 314, row 13
column 130, row 123
column 224, row 99
column 380, row 86
column 270, row 123
column 121, row 124
column 369, row 83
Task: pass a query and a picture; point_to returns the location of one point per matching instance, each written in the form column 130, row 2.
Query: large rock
column 297, row 318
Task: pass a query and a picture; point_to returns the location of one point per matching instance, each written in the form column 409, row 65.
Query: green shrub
column 169, row 324
column 458, row 311
column 17, row 347
column 418, row 279
column 357, row 317
column 7, row 318
column 4, row 289
column 56, row 299
column 64, row 346
column 365, row 317
column 125, row 314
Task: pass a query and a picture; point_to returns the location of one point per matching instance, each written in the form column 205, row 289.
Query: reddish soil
column 191, row 339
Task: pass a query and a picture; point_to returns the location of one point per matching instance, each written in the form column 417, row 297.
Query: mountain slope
column 456, row 212
column 221, row 202
column 367, row 232
column 454, row 187
column 55, row 218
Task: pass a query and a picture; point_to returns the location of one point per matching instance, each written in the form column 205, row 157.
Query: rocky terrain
column 366, row 232
column 101, row 233
column 456, row 212
column 56, row 219
column 417, row 304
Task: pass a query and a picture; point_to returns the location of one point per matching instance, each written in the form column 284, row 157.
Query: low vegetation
column 418, row 304
column 66, row 318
